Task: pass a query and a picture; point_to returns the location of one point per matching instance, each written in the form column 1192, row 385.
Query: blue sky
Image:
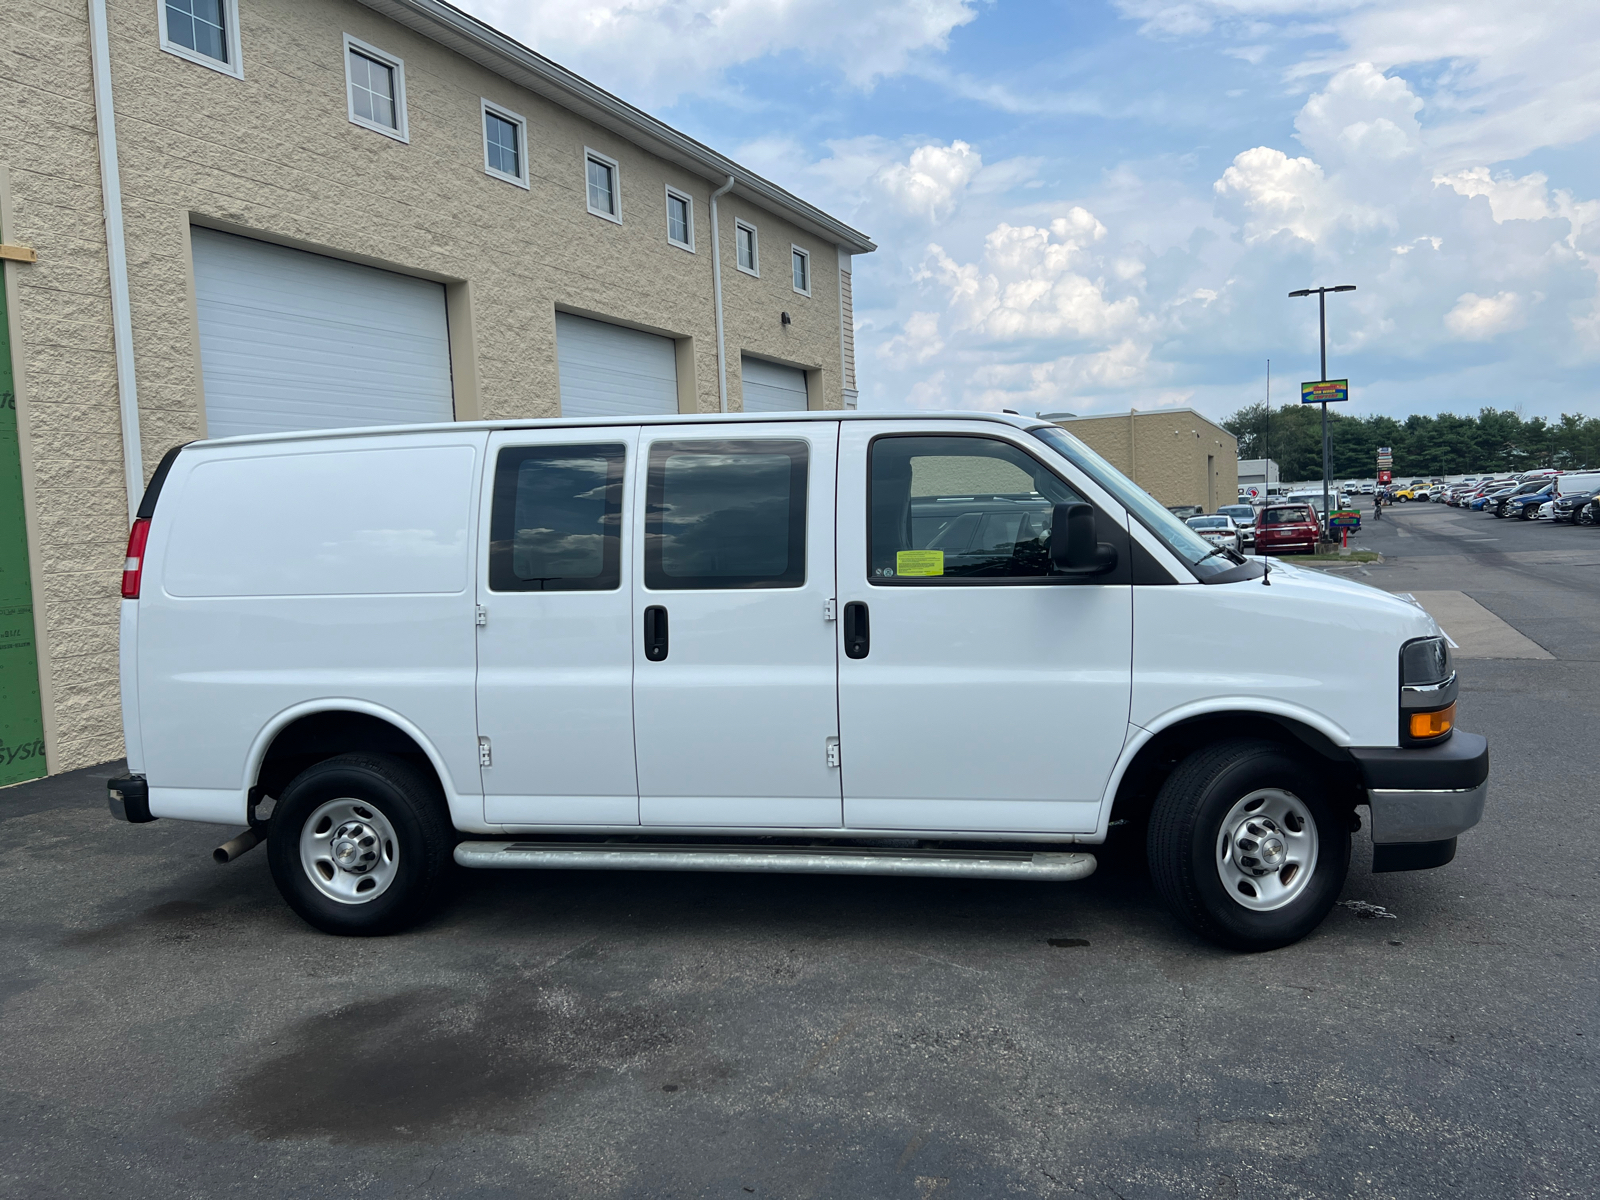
column 1086, row 206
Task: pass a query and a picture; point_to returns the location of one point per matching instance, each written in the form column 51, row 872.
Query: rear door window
column 556, row 524
column 726, row 514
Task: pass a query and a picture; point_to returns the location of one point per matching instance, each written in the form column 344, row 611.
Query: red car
column 1287, row 527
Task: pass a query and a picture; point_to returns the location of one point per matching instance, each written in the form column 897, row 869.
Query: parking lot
column 172, row 1030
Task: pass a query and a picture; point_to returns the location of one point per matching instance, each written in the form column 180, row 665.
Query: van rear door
column 735, row 669
column 555, row 649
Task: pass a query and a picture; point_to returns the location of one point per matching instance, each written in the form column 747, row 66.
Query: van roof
column 1014, row 420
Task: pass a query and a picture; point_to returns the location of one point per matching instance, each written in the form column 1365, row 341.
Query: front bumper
column 1422, row 799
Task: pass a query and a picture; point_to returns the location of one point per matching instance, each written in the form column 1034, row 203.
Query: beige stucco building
column 342, row 212
column 1175, row 454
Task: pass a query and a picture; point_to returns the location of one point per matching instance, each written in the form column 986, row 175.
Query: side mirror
column 1073, row 548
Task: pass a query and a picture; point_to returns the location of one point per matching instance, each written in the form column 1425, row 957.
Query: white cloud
column 1478, row 318
column 932, row 181
column 917, row 343
column 656, row 50
column 1028, row 284
column 1060, row 380
column 1267, row 192
column 1515, row 77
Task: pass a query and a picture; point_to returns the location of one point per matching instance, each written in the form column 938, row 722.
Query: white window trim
column 805, row 254
column 505, row 114
column 616, row 185
column 755, row 248
column 402, row 134
column 688, row 201
column 230, row 14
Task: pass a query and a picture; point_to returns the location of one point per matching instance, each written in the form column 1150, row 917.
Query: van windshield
column 1293, row 515
column 1199, row 554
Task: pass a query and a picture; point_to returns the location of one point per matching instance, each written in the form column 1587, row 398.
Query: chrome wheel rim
column 1267, row 850
column 349, row 851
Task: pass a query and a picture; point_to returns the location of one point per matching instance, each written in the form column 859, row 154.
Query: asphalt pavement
column 171, row 1030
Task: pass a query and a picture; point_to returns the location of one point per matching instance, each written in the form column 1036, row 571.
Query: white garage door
column 769, row 387
column 290, row 340
column 609, row 371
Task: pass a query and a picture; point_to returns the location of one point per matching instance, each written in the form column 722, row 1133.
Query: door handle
column 655, row 633
column 857, row 630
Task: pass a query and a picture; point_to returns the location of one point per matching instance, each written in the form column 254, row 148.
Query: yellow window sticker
column 919, row 562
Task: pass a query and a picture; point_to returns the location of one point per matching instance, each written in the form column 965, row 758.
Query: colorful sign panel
column 1325, row 391
column 21, row 723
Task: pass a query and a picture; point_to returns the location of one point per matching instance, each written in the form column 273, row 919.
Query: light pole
column 1321, row 293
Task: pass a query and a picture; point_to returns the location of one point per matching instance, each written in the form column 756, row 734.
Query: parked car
column 1219, row 530
column 1498, row 501
column 1368, row 488
column 1287, row 527
column 1546, row 511
column 1573, row 494
column 1244, row 516
column 1184, row 511
column 650, row 643
column 1526, row 506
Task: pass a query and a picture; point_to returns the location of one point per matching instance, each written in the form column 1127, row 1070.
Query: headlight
column 1424, row 661
column 1428, row 690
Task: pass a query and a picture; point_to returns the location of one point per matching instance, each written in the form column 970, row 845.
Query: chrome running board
column 1053, row 866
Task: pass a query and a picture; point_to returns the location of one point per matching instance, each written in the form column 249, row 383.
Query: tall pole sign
column 1321, row 392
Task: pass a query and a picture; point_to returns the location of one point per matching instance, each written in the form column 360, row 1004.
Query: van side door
column 979, row 689
column 555, row 643
column 735, row 669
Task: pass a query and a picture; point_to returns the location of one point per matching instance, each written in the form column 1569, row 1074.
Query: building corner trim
column 116, row 253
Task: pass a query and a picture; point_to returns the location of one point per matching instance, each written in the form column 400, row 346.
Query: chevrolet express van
column 954, row 645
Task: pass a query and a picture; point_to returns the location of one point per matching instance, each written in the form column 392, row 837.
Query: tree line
column 1495, row 440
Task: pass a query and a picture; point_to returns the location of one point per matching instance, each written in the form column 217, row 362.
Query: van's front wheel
column 359, row 844
column 1245, row 846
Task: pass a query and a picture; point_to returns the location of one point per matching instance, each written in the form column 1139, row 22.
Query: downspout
column 105, row 122
column 716, row 287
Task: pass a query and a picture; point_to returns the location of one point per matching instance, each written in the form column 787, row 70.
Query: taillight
column 133, row 565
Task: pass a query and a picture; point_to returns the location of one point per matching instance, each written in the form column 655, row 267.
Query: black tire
column 1186, row 827
column 413, row 807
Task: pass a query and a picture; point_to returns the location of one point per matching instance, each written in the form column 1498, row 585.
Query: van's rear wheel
column 1245, row 846
column 359, row 844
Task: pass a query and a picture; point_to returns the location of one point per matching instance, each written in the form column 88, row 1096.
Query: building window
column 505, row 151
column 203, row 31
column 376, row 84
column 680, row 219
column 802, row 270
column 601, row 181
column 749, row 257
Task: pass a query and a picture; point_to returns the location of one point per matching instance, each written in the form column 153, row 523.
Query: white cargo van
column 958, row 645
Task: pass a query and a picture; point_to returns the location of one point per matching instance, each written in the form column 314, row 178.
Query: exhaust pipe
column 233, row 848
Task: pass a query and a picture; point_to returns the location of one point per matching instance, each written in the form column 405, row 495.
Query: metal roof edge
column 492, row 425
column 507, row 57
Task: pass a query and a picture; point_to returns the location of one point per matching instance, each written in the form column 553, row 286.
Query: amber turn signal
column 1433, row 724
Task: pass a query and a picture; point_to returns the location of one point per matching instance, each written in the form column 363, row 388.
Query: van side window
column 726, row 514
column 953, row 508
column 556, row 524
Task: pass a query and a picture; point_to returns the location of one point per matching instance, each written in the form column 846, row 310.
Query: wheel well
column 1157, row 759
column 317, row 736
